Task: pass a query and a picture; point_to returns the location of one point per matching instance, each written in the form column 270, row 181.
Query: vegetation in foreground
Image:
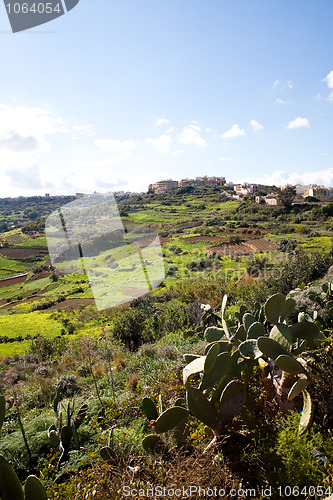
column 182, row 387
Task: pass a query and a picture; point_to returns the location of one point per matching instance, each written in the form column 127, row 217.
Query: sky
column 117, row 94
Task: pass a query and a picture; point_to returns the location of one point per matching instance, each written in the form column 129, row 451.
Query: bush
column 128, row 327
column 46, row 349
column 67, row 385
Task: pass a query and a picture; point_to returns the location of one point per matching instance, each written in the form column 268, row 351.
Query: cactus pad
column 151, row 442
column 232, row 401
column 274, row 307
column 248, row 348
column 149, row 409
column 10, row 485
column 289, row 364
column 170, row 418
column 212, row 334
column 201, row 407
column 271, row 348
column 34, row 490
column 307, row 413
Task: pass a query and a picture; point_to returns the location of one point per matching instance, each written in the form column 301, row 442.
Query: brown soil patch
column 245, row 248
column 21, row 253
column 75, row 303
column 13, row 281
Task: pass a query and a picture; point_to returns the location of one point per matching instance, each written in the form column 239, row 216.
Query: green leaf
column 149, row 409
column 212, row 334
column 241, row 333
column 196, row 366
column 232, row 401
column 256, row 330
column 289, row 364
column 274, row 307
column 170, row 418
column 210, row 360
column 220, row 368
column 10, row 485
column 201, row 407
column 223, row 346
column 248, row 320
column 108, row 454
column 307, row 413
column 190, row 357
column 282, row 334
column 34, row 489
column 298, row 387
column 249, row 347
column 66, row 436
column 151, row 442
column 270, row 347
column 54, row 438
column 305, row 330
column 288, row 308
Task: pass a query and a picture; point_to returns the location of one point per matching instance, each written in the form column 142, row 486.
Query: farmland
column 52, row 336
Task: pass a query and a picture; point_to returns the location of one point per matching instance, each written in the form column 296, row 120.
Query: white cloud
column 210, row 130
column 195, row 127
column 161, row 121
column 107, row 162
column 329, row 79
column 282, row 177
column 15, row 142
column 280, row 101
column 178, row 152
column 256, row 126
column 298, row 123
column 162, row 144
column 235, row 131
column 191, row 135
column 24, row 129
column 115, row 144
column 170, row 130
column 283, row 84
column 85, row 130
column 225, row 158
column 28, row 177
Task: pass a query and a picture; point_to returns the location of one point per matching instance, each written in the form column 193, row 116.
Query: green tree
column 287, row 196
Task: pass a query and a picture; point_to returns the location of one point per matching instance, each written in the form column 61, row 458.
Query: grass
column 10, row 267
column 39, row 242
column 28, row 324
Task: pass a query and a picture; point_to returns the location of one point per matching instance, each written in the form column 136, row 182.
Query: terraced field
column 249, row 247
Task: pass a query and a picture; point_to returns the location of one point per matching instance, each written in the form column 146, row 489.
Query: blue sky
column 117, row 94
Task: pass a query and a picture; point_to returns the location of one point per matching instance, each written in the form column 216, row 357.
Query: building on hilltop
column 272, row 199
column 163, row 186
column 203, row 181
column 322, row 193
column 243, row 189
column 167, row 185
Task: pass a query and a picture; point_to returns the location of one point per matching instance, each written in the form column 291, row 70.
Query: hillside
column 187, row 385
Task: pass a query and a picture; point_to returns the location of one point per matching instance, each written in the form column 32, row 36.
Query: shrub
column 46, row 349
column 67, row 385
column 128, row 327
